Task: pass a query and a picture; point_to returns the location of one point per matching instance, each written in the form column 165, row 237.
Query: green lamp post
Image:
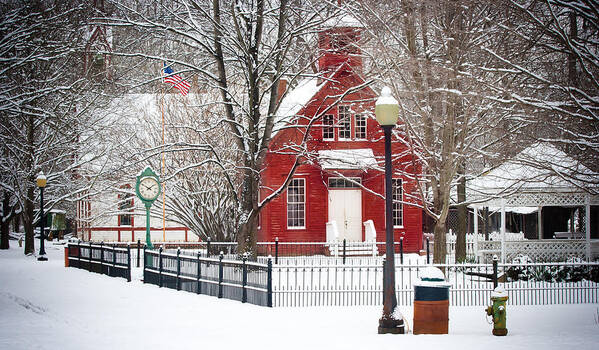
column 147, row 188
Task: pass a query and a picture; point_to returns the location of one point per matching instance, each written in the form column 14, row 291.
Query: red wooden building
column 338, row 191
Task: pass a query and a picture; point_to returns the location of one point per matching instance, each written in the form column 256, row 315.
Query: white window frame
column 357, row 180
column 126, row 207
column 357, row 127
column 341, row 122
column 303, row 184
column 328, row 127
column 400, row 205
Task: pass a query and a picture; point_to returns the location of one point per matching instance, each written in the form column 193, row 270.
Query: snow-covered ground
column 44, row 305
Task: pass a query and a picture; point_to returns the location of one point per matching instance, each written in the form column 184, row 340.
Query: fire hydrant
column 497, row 310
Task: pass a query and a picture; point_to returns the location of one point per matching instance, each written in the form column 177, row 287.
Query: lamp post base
column 391, row 326
column 42, row 258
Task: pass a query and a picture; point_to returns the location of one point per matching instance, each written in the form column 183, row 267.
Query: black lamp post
column 387, row 114
column 41, row 183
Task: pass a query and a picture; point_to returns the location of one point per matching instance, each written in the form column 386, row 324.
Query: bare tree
column 559, row 73
column 432, row 54
column 241, row 49
column 43, row 103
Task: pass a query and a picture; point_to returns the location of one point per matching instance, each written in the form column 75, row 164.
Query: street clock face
column 149, row 188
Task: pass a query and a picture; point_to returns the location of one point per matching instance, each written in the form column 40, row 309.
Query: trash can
column 431, row 303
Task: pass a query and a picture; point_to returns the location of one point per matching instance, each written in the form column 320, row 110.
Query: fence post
column 244, row 281
column 344, row 244
column 269, row 283
column 160, row 267
column 90, row 257
column 495, row 279
column 102, row 257
column 145, row 263
column 276, row 250
column 128, row 261
column 220, row 275
column 384, row 279
column 428, row 249
column 199, row 274
column 401, row 250
column 178, row 268
column 138, row 249
column 113, row 259
column 208, row 247
column 79, row 253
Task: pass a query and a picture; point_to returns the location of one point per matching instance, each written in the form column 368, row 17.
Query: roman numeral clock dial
column 149, row 188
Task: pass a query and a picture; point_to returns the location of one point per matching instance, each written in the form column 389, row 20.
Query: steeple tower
column 96, row 58
column 338, row 44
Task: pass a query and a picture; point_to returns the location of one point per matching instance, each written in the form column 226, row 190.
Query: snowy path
column 46, row 306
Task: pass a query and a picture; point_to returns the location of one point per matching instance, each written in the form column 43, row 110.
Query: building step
column 354, row 250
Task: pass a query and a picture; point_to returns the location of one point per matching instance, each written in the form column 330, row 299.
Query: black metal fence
column 107, row 260
column 339, row 249
column 237, row 280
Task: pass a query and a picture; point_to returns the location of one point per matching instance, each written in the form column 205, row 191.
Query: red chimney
column 281, row 89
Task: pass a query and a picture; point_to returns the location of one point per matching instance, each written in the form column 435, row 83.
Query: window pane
column 344, row 122
column 397, row 191
column 360, row 126
column 328, row 132
column 296, row 203
column 338, row 182
column 125, row 205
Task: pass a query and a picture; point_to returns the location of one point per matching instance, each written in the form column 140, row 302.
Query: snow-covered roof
column 344, row 21
column 362, row 158
column 539, row 167
column 295, row 100
column 517, row 210
column 299, row 97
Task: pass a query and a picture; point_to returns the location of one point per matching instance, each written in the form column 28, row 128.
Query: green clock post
column 147, row 188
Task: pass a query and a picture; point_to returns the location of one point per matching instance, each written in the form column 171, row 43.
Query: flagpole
column 183, row 86
column 162, row 171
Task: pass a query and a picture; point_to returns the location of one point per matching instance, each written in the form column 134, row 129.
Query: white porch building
column 540, row 176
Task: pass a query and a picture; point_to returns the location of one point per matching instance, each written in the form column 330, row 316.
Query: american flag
column 175, row 80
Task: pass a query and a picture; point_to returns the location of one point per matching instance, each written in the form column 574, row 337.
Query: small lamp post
column 41, row 183
column 387, row 113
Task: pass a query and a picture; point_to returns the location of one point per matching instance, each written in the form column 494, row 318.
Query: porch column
column 475, row 236
column 503, row 230
column 587, row 224
column 540, row 223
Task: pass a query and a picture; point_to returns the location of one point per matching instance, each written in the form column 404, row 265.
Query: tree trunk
column 5, row 222
column 16, row 222
column 247, row 235
column 28, row 217
column 460, row 246
column 572, row 56
column 440, row 248
column 28, row 222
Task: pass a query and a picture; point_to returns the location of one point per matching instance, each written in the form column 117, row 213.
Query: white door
column 345, row 208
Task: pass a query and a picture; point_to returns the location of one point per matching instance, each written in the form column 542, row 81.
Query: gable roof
column 541, row 168
column 295, row 100
column 305, row 92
